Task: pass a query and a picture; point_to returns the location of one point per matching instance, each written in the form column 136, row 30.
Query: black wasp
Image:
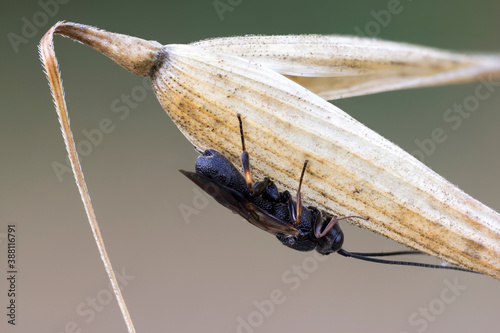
column 298, row 227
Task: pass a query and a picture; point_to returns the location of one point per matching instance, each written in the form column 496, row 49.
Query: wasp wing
column 238, row 204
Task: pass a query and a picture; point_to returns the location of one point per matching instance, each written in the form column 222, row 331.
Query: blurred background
column 214, row 272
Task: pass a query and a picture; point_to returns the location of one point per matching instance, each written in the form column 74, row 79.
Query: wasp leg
column 317, row 229
column 259, row 187
column 299, row 196
column 245, row 159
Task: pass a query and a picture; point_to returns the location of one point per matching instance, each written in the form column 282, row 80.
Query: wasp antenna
column 386, row 254
column 355, row 255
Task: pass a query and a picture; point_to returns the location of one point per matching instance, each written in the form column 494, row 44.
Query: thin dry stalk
column 49, row 60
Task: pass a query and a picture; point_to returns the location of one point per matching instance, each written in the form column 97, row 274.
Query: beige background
column 204, row 275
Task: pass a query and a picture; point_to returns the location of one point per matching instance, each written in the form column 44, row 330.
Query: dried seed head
column 352, row 170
